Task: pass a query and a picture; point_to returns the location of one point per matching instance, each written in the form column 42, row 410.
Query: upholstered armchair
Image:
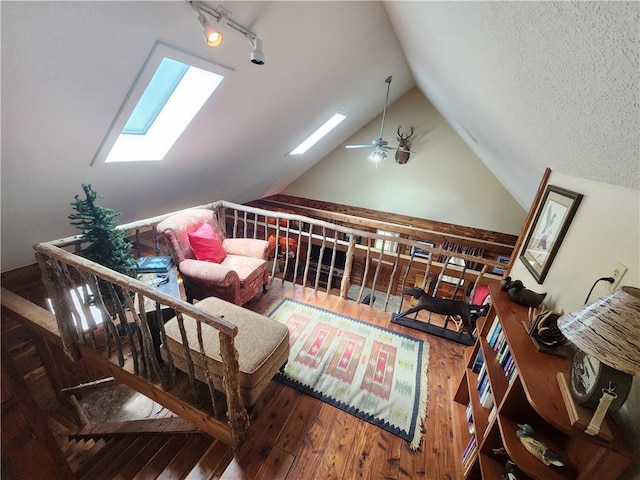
column 234, row 269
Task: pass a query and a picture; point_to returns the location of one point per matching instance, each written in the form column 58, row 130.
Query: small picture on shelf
column 420, row 252
column 502, row 259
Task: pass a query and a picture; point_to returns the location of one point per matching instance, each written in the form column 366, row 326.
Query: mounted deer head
column 404, row 145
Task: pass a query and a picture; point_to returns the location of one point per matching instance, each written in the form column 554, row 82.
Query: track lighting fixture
column 211, row 34
column 214, row 37
column 257, row 56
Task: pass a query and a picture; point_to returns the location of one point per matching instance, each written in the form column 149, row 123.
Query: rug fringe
column 424, row 397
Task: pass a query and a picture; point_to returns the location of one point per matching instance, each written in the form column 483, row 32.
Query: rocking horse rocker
column 467, row 313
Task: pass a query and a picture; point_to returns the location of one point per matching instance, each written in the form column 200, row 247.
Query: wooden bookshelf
column 530, row 395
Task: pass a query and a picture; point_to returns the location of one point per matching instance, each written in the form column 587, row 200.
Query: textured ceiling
column 526, row 84
column 532, row 84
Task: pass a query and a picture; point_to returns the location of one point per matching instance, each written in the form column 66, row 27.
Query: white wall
column 605, row 230
column 443, row 180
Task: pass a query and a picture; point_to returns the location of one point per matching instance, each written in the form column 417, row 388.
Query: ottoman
column 262, row 345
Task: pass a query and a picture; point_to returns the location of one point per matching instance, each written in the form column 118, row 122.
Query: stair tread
column 108, row 471
column 184, row 460
column 111, row 451
column 135, row 464
column 212, row 462
column 163, row 456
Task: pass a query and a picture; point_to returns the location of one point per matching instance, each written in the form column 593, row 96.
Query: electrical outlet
column 618, row 272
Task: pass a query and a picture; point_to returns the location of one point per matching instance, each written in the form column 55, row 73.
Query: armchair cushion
column 206, row 245
column 247, row 247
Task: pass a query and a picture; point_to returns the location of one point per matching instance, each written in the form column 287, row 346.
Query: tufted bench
column 262, row 344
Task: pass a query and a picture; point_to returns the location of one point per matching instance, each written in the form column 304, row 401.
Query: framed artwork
column 550, row 224
column 502, row 259
column 419, row 252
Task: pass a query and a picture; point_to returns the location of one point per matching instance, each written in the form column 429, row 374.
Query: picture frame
column 550, row 224
column 419, row 252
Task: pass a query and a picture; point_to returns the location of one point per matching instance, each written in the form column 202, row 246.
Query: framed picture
column 550, row 224
column 502, row 259
column 419, row 252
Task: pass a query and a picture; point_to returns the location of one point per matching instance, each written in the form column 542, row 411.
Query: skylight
column 169, row 91
column 329, row 125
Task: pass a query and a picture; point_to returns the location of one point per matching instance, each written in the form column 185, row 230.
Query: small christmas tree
column 107, row 245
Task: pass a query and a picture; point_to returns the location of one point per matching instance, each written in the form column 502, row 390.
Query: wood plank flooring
column 296, row 437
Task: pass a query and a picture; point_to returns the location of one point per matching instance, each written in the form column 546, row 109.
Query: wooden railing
column 109, row 314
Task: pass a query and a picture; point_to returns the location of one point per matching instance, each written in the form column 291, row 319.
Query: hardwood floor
column 296, row 437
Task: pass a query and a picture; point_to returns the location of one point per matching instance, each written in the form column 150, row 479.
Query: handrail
column 368, row 257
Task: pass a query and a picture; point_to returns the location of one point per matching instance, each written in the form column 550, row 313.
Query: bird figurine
column 536, row 447
column 521, row 295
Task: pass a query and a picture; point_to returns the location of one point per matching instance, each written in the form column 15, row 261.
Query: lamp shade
column 608, row 329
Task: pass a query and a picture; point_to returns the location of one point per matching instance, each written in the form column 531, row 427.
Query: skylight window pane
column 193, row 90
column 170, row 89
column 160, row 88
column 329, row 125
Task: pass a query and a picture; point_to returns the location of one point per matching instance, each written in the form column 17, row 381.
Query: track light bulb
column 213, row 36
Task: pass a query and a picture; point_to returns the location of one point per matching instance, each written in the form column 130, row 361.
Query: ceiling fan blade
column 360, row 146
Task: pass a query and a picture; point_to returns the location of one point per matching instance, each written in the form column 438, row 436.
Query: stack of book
column 470, row 454
column 497, row 341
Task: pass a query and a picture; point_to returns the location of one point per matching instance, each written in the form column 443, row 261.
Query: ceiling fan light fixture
column 377, row 155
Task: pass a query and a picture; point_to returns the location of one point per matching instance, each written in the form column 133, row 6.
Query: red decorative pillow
column 206, row 245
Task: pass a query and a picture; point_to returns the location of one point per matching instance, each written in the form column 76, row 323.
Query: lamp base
column 580, row 416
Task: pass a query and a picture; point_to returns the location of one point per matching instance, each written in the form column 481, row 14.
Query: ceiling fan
column 379, row 145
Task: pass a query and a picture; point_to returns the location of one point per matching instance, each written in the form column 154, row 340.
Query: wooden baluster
column 377, row 272
column 236, row 414
column 333, row 260
column 163, row 345
column 346, row 279
column 187, row 355
column 110, row 328
column 298, row 250
column 68, row 334
column 392, row 278
column 148, row 352
column 124, row 323
column 205, row 368
column 367, row 261
column 320, row 257
column 308, row 260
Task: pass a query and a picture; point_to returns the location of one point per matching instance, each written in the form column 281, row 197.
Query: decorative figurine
column 521, row 295
column 536, row 447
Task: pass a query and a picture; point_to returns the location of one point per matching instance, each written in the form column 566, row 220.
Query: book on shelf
column 486, row 398
column 477, row 362
column 493, row 327
column 158, row 264
column 470, row 453
column 495, row 335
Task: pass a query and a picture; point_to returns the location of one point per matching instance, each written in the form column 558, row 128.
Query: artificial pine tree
column 107, row 245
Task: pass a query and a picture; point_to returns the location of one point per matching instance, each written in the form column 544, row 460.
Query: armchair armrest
column 248, row 247
column 214, row 273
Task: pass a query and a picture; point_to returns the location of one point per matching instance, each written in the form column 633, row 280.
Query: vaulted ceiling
column 526, row 84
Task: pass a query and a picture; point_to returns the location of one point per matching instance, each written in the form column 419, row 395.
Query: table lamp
column 606, row 333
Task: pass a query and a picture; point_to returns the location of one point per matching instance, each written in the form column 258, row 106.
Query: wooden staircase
column 140, row 456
